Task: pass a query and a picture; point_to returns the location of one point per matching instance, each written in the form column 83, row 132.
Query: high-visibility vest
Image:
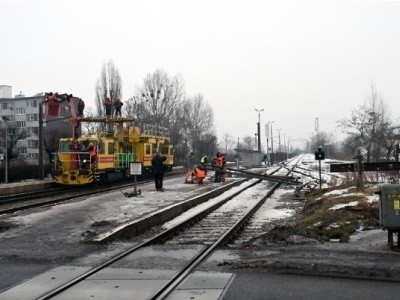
column 220, row 161
column 199, row 173
column 92, row 152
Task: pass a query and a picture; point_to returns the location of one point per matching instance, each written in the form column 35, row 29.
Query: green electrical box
column 389, row 208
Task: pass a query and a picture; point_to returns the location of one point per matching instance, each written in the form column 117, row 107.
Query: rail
column 193, row 263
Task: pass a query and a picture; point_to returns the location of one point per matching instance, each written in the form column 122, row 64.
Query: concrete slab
column 113, row 289
column 25, row 186
column 202, row 286
column 197, row 294
column 136, row 274
column 206, row 280
column 43, row 283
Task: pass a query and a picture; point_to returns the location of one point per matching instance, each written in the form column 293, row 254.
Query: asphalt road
column 257, row 286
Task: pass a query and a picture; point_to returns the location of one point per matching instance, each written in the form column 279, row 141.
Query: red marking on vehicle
column 106, row 159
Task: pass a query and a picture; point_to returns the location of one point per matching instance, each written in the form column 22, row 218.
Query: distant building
column 250, row 158
column 5, row 91
column 24, row 111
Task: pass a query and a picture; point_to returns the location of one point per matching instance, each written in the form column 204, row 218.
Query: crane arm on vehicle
column 53, row 101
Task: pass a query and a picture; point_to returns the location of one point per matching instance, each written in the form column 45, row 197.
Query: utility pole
column 267, row 137
column 279, row 138
column 41, row 170
column 5, row 119
column 258, row 129
column 6, row 157
column 272, row 145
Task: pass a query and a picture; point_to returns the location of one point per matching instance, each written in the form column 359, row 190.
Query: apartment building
column 23, row 112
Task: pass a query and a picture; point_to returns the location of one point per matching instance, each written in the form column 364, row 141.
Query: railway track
column 22, row 201
column 13, row 198
column 228, row 209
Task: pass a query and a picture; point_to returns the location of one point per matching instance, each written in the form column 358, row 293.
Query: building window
column 33, row 130
column 148, row 149
column 33, row 103
column 10, row 118
column 4, row 105
column 20, row 111
column 22, row 150
column 31, row 155
column 110, row 148
column 32, row 117
column 33, row 144
column 21, row 124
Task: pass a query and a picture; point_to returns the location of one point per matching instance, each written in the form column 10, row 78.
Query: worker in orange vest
column 218, row 167
column 92, row 152
column 199, row 174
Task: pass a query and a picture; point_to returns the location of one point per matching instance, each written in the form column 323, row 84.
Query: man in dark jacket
column 158, row 170
column 118, row 105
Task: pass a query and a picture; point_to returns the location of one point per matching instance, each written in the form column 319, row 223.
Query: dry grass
column 318, row 218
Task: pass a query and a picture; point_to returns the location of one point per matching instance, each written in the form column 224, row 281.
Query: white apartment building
column 24, row 111
column 5, row 91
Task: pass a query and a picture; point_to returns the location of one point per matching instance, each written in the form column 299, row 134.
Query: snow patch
column 342, row 205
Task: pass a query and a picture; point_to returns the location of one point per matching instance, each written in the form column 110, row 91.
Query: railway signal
column 319, row 155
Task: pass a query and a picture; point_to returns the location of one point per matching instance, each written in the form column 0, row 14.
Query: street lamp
column 272, row 144
column 258, row 128
column 279, row 138
column 284, row 143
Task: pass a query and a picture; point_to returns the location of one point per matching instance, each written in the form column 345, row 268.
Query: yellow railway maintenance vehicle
column 114, row 150
column 74, row 165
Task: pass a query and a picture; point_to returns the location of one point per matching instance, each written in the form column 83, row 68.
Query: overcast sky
column 296, row 60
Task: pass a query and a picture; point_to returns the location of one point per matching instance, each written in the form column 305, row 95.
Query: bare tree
column 368, row 125
column 320, row 139
column 158, row 97
column 51, row 139
column 248, row 143
column 158, row 103
column 393, row 139
column 199, row 120
column 178, row 134
column 90, row 128
column 228, row 143
column 108, row 85
column 14, row 134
